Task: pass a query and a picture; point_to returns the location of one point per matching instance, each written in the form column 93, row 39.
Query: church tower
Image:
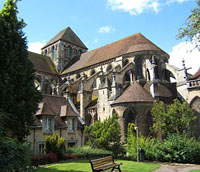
column 63, row 48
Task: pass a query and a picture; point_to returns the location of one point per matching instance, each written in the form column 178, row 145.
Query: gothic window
column 156, row 68
column 79, row 52
column 78, row 76
column 41, row 148
column 75, row 51
column 125, row 62
column 94, row 84
column 79, row 87
column 69, row 52
column 109, row 68
column 53, row 53
column 92, row 72
column 46, row 53
column 48, row 126
column 139, row 70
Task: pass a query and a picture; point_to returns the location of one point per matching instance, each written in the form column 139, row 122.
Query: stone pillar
column 121, row 123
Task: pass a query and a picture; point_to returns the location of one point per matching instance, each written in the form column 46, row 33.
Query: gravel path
column 174, row 167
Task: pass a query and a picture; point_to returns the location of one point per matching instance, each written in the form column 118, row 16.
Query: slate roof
column 42, row 63
column 67, row 35
column 134, row 93
column 196, row 75
column 133, row 43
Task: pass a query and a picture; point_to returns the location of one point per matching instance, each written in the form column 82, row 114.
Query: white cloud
column 186, row 51
column 95, row 41
column 36, row 46
column 136, row 7
column 106, row 29
column 179, row 1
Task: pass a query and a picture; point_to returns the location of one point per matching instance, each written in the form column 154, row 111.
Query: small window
column 69, row 53
column 79, row 52
column 94, row 84
column 41, row 148
column 72, row 125
column 46, row 53
column 48, row 125
column 53, row 53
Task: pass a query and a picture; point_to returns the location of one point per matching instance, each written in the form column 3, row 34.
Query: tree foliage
column 191, row 28
column 105, row 135
column 175, row 118
column 55, row 144
column 19, row 97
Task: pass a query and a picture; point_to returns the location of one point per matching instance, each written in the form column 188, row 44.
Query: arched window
column 46, row 53
column 139, row 69
column 69, row 52
column 94, row 84
column 53, row 53
column 92, row 72
column 109, row 68
column 79, row 52
column 75, row 51
column 78, row 76
column 125, row 62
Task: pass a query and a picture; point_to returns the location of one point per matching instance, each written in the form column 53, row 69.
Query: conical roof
column 67, row 35
column 134, row 93
column 133, row 43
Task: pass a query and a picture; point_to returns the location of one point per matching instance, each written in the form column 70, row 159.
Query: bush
column 175, row 148
column 14, row 156
column 87, row 152
column 55, row 144
column 105, row 135
column 44, row 159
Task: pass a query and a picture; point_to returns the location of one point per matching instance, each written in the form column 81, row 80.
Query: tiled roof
column 196, row 75
column 58, row 106
column 42, row 63
column 133, row 43
column 134, row 93
column 67, row 35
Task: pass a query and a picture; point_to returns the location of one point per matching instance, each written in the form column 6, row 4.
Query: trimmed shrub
column 87, row 152
column 55, row 144
column 14, row 156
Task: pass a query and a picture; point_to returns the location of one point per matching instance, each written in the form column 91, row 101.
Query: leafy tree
column 175, row 118
column 19, row 97
column 191, row 29
column 105, row 135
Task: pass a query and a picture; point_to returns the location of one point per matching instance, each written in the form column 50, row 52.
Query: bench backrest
column 101, row 162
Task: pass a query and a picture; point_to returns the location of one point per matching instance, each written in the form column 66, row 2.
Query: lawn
column 84, row 166
column 198, row 170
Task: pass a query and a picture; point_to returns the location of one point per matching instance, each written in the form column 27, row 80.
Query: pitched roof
column 133, row 43
column 42, row 63
column 196, row 75
column 67, row 35
column 134, row 93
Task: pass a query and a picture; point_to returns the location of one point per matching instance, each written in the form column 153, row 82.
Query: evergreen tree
column 19, row 97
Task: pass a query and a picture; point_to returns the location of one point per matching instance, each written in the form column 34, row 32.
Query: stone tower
column 64, row 48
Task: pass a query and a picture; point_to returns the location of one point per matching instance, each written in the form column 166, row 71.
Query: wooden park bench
column 103, row 164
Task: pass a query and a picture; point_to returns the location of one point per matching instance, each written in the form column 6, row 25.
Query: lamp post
column 136, row 128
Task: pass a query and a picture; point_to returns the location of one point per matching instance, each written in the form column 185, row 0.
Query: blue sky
column 99, row 22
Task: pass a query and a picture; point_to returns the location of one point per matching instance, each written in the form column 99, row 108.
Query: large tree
column 191, row 29
column 175, row 118
column 18, row 96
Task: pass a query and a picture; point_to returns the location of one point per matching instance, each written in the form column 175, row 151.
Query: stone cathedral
column 123, row 77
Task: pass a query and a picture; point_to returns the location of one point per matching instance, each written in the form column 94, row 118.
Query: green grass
column 198, row 170
column 84, row 166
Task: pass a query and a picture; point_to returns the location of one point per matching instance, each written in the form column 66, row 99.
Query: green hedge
column 87, row 152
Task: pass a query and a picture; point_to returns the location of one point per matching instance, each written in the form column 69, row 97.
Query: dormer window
column 72, row 124
column 48, row 125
